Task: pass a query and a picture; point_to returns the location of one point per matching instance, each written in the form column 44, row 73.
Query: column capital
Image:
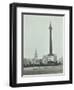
column 50, row 27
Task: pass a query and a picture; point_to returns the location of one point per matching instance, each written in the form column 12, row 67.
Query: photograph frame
column 13, row 44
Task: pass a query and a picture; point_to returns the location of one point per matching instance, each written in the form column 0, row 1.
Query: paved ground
column 43, row 70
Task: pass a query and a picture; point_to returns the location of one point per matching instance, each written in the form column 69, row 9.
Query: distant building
column 27, row 62
column 35, row 59
column 60, row 60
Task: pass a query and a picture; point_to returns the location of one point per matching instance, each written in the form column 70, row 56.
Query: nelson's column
column 51, row 56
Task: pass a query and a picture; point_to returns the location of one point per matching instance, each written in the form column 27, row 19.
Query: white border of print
column 44, row 77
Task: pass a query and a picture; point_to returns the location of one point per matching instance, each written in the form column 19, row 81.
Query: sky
column 36, row 35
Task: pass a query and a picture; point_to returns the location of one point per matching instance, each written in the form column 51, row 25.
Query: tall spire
column 50, row 41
